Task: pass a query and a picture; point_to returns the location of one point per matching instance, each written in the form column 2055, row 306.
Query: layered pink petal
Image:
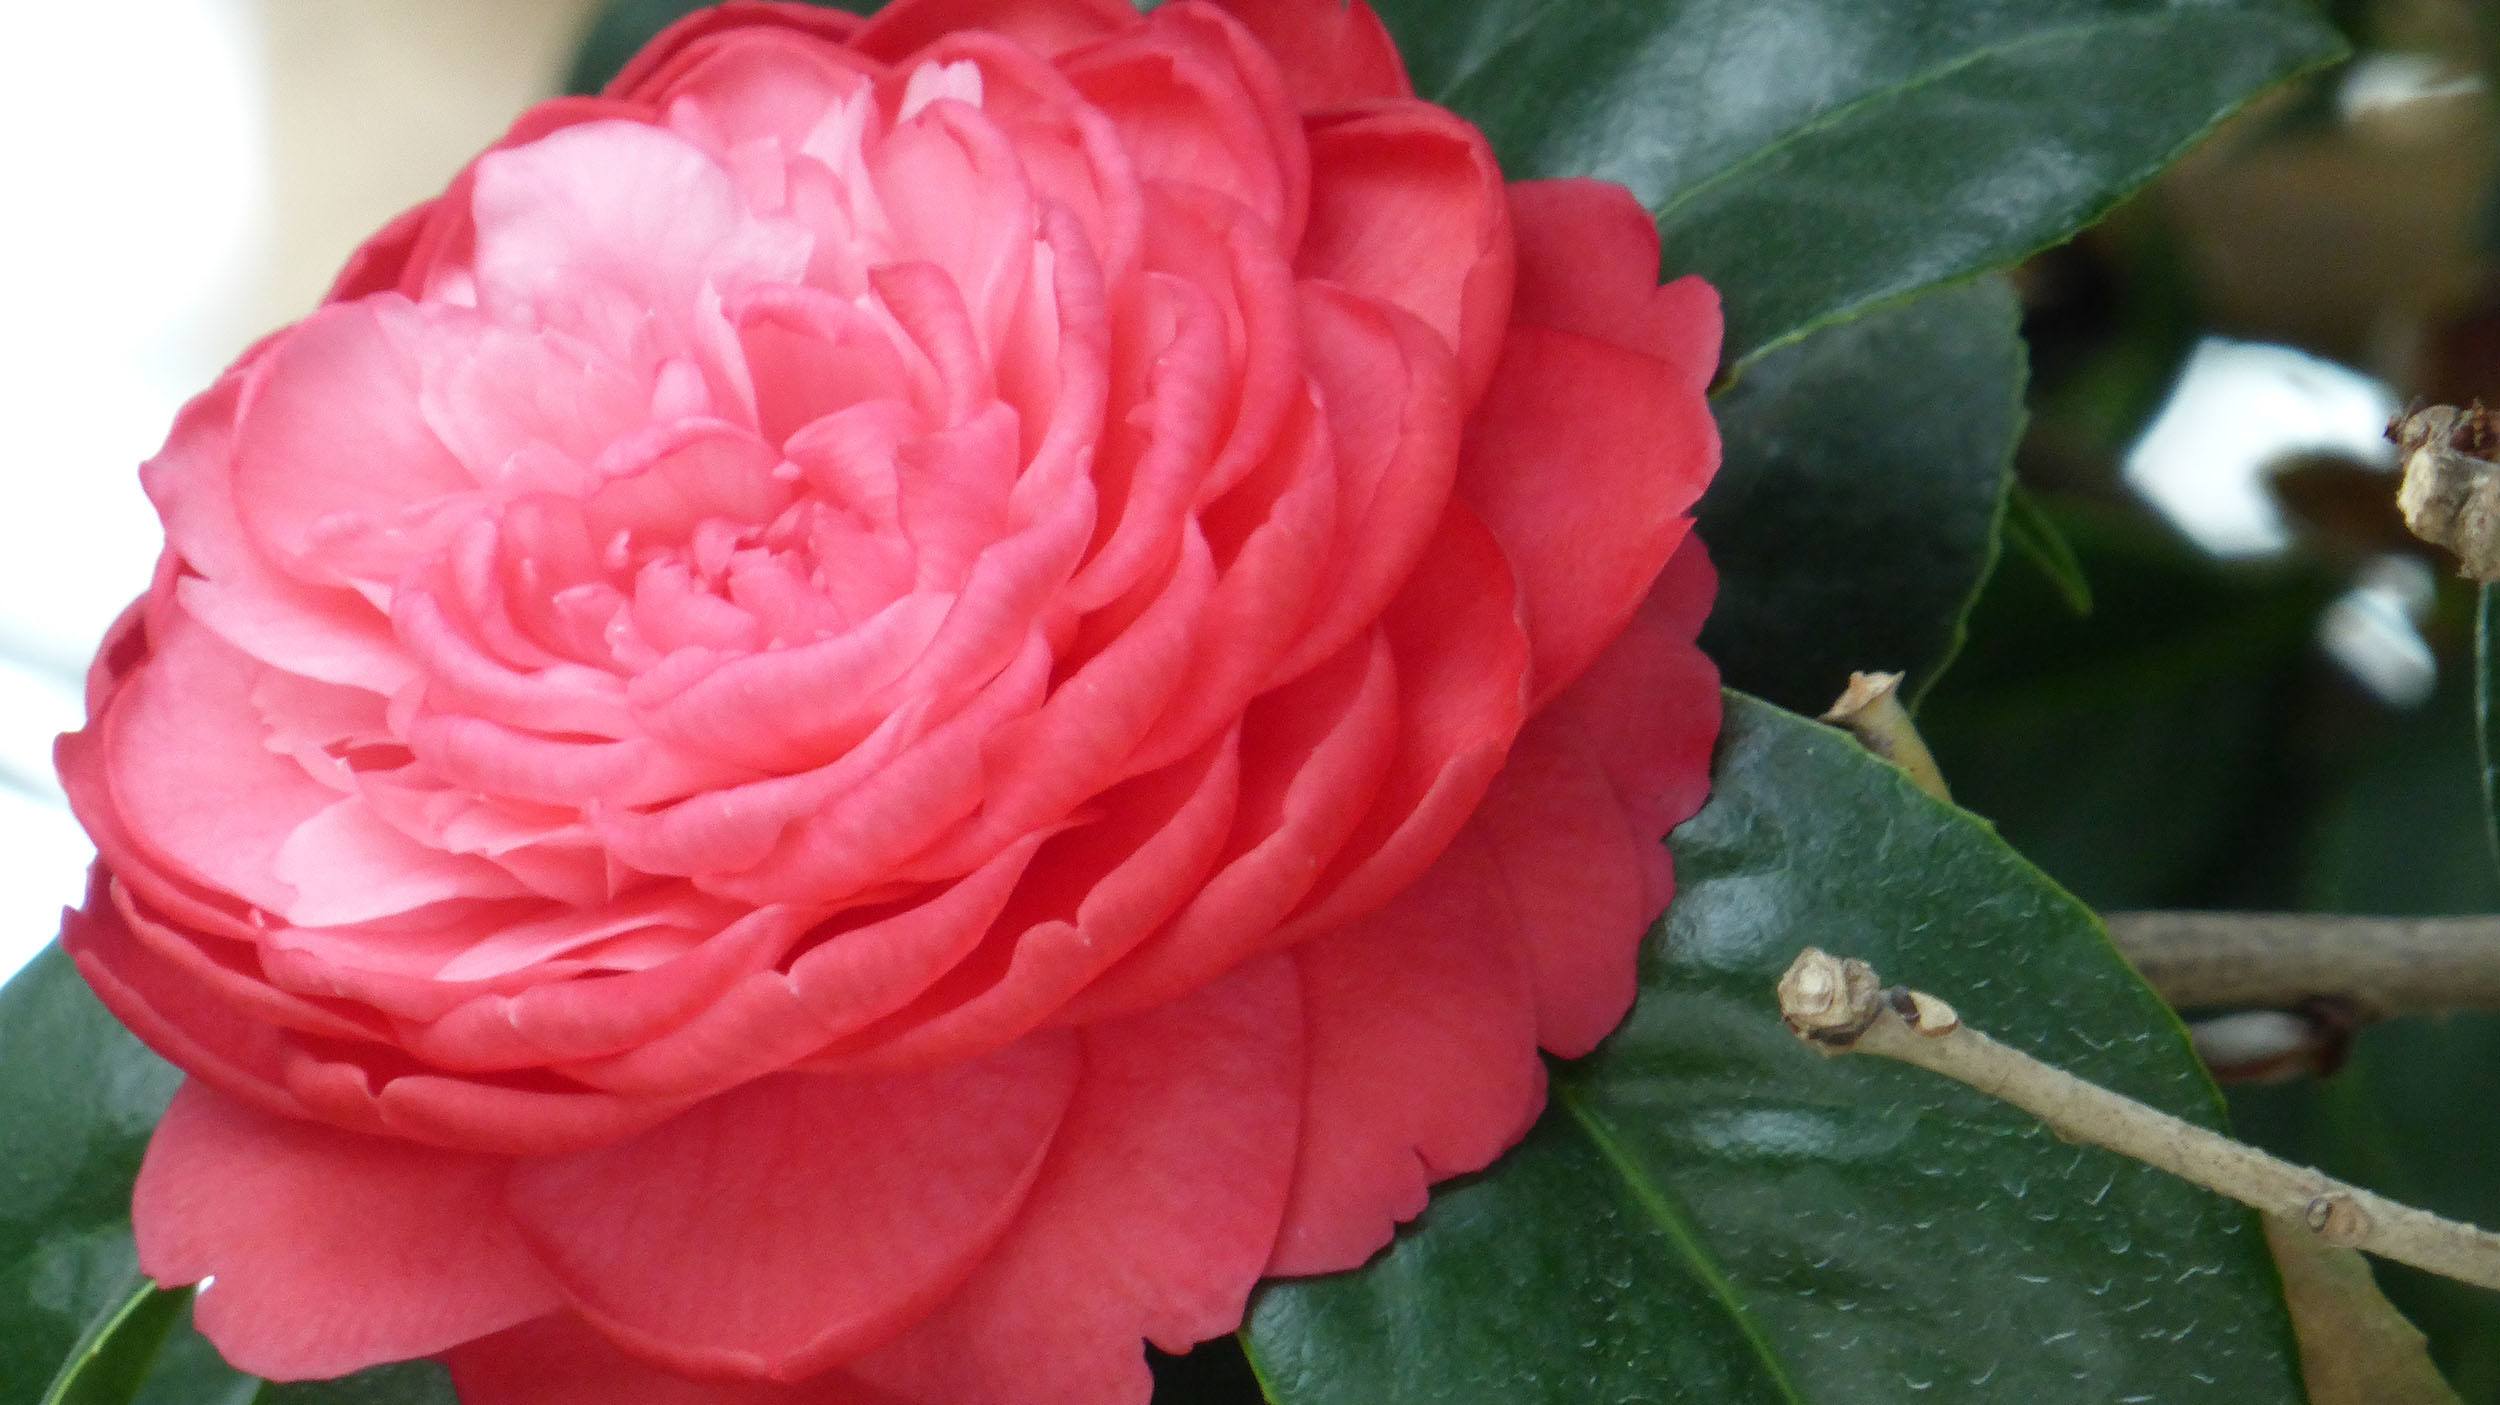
column 1093, row 892
column 332, row 456
column 1316, row 751
column 1587, row 257
column 778, row 1229
column 331, row 1251
column 1461, row 661
column 611, row 231
column 1585, row 459
column 1196, row 101
column 1575, row 822
column 1421, row 1060
column 1047, row 26
column 563, row 1361
column 1157, row 1209
column 1407, row 207
column 1334, row 53
column 191, row 783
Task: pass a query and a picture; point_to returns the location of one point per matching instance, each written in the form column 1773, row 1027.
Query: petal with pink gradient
column 1408, row 208
column 191, row 783
column 331, row 1251
column 1575, row 823
column 1421, row 1059
column 1334, row 53
column 1588, row 255
column 562, row 1361
column 1152, row 1219
column 330, row 440
column 778, row 1229
column 1585, row 459
column 1049, row 27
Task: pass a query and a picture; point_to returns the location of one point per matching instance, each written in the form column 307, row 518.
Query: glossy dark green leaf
column 623, row 26
column 77, row 1098
column 1818, row 157
column 411, row 1383
column 1709, row 1212
column 110, row 1362
column 1856, row 508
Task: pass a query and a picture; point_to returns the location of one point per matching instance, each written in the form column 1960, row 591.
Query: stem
column 1871, row 711
column 2384, row 965
column 1840, row 1007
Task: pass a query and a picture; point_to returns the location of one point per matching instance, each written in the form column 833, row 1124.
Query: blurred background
column 2211, row 670
column 186, row 175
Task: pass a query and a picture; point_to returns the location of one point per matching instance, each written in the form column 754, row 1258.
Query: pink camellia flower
column 890, row 709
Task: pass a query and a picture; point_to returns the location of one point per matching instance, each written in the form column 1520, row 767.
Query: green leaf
column 1816, row 158
column 2138, row 755
column 1856, row 508
column 109, row 1363
column 2487, row 711
column 623, row 26
column 1709, row 1212
column 78, row 1096
column 410, row 1383
column 2037, row 538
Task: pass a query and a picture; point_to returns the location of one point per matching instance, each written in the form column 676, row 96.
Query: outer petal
column 615, row 232
column 560, row 1361
column 1333, row 52
column 1583, row 458
column 192, row 783
column 1157, row 1209
column 332, row 1252
column 1574, row 821
column 1046, row 26
column 1407, row 206
column 1588, row 263
column 781, row 1227
column 331, row 432
column 412, row 247
column 1422, row 1060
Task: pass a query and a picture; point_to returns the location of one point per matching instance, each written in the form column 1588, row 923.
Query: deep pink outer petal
column 561, row 1361
column 905, row 27
column 331, row 1251
column 1158, row 1207
column 778, row 1229
column 1408, row 207
column 1574, row 822
column 1422, row 1059
column 1588, row 263
column 1594, row 439
column 1333, row 52
column 1584, row 458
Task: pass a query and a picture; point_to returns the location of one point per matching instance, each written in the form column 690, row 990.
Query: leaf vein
column 1671, row 1221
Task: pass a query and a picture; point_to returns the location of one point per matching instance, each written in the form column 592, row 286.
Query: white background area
column 183, row 175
